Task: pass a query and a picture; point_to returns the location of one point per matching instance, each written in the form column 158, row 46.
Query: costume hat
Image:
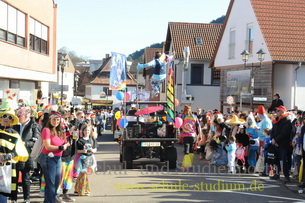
column 235, row 120
column 7, row 108
column 261, row 109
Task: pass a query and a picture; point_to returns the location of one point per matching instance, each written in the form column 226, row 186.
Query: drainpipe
column 296, row 83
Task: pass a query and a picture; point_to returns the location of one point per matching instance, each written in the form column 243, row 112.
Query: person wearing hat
column 265, row 123
column 276, row 102
column 9, row 152
column 280, row 137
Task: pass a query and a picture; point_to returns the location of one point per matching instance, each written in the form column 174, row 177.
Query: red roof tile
column 282, row 24
column 184, row 34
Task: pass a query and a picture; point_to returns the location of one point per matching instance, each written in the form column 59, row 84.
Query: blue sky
column 94, row 28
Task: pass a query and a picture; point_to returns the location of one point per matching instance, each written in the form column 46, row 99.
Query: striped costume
column 11, row 143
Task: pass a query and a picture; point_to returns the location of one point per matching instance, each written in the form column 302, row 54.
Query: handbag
column 260, row 165
column 6, row 178
column 37, row 148
column 272, row 155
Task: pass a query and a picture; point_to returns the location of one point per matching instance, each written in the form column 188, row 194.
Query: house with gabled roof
column 277, row 27
column 97, row 91
column 202, row 82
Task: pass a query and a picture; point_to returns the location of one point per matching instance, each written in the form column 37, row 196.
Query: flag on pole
column 118, row 72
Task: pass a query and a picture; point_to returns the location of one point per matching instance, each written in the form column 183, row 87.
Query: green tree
column 219, row 20
column 73, row 55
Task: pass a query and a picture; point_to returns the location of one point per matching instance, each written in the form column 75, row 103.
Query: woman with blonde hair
column 190, row 129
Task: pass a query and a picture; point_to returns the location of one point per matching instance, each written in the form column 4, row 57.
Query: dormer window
column 198, row 41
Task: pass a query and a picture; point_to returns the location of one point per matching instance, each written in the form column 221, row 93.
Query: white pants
column 231, row 162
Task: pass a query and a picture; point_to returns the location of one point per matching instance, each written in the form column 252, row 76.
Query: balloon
column 160, row 123
column 126, row 96
column 117, row 115
column 123, row 123
column 176, row 102
column 178, row 122
column 118, row 122
column 120, row 95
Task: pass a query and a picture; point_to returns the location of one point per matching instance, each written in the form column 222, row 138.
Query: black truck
column 154, row 138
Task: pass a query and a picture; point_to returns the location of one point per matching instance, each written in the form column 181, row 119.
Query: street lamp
column 245, row 57
column 186, row 56
column 62, row 64
column 76, row 78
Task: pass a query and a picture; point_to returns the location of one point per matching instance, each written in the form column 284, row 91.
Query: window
column 197, row 74
column 104, row 75
column 232, row 44
column 198, row 41
column 215, row 77
column 14, row 84
column 107, row 91
column 38, row 36
column 12, row 25
column 249, row 39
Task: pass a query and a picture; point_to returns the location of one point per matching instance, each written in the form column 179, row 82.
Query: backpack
column 37, row 148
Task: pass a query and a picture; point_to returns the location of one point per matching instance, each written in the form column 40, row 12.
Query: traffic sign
column 56, row 87
column 230, row 100
column 259, row 98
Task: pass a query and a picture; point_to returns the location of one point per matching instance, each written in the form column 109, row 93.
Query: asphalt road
column 151, row 181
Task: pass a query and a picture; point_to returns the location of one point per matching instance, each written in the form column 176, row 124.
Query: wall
column 300, row 99
column 44, row 12
column 283, row 83
column 205, row 96
column 239, row 20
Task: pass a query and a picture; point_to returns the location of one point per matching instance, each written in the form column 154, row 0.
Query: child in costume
column 86, row 146
column 219, row 155
column 254, row 140
column 159, row 75
column 264, row 150
column 231, row 149
column 265, row 123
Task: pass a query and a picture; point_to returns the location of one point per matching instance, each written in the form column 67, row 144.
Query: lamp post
column 76, row 78
column 62, row 64
column 245, row 57
column 186, row 56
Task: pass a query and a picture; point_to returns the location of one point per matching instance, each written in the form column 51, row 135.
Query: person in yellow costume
column 12, row 149
column 190, row 131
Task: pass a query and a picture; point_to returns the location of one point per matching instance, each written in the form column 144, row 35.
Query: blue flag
column 118, row 72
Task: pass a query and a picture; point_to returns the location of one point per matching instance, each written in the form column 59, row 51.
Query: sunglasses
column 5, row 116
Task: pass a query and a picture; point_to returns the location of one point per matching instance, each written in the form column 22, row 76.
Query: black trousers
column 285, row 157
column 188, row 145
column 26, row 183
